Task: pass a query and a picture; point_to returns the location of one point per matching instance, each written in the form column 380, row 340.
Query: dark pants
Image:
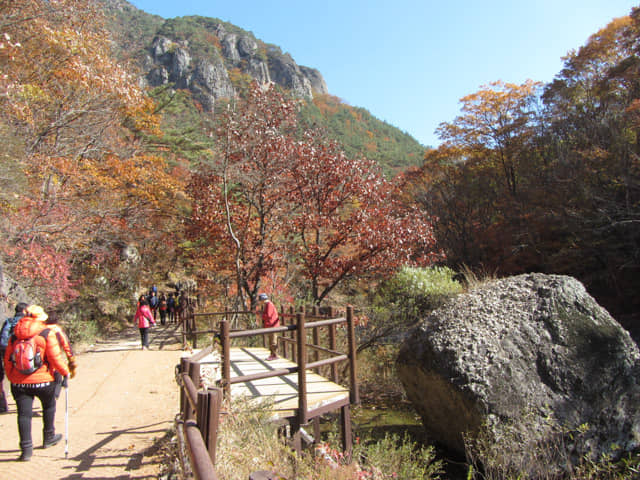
column 144, row 337
column 163, row 316
column 3, row 398
column 24, row 395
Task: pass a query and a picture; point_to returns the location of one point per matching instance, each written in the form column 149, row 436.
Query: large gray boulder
column 525, row 358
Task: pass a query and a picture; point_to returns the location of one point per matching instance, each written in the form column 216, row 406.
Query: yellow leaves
column 33, row 93
column 492, row 116
column 142, row 117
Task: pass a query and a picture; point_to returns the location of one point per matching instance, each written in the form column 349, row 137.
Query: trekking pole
column 66, row 420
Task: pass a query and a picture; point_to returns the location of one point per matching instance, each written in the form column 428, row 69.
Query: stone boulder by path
column 525, row 356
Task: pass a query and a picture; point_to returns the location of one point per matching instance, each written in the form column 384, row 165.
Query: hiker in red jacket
column 270, row 319
column 26, row 384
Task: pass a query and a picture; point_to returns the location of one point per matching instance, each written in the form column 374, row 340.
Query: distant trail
column 121, row 403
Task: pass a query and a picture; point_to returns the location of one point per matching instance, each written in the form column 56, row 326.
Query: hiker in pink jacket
column 144, row 319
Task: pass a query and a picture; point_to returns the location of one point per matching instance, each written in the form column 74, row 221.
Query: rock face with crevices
column 517, row 352
column 171, row 61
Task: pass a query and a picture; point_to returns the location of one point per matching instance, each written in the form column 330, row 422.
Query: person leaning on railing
column 270, row 319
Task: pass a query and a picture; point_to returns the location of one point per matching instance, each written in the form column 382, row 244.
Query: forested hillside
column 110, row 183
column 244, row 58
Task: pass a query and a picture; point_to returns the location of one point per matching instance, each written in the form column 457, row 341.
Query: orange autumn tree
column 81, row 184
column 480, row 181
column 495, row 127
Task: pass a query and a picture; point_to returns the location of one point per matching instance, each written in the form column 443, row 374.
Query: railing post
column 207, row 418
column 302, row 370
column 184, row 368
column 345, row 428
column 333, row 345
column 191, row 396
column 194, row 374
column 183, row 328
column 202, row 416
column 215, row 403
column 316, row 340
column 226, row 358
column 354, row 396
column 283, row 323
column 192, row 327
column 293, row 335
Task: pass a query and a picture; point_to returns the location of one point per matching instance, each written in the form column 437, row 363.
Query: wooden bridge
column 294, row 385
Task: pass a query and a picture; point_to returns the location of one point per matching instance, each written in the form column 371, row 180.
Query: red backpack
column 27, row 356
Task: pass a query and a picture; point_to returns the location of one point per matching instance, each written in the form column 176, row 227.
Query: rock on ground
column 528, row 357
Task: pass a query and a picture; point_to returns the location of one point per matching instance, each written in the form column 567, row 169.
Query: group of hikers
column 170, row 308
column 38, row 361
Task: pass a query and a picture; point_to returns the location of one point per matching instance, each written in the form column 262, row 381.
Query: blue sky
column 410, row 61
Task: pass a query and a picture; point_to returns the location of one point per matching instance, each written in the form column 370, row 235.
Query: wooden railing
column 298, row 339
column 190, row 329
column 197, row 422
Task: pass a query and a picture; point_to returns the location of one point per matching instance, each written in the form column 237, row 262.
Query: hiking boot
column 26, row 454
column 51, row 440
column 272, row 357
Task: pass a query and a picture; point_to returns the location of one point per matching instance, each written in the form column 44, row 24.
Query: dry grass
column 476, row 279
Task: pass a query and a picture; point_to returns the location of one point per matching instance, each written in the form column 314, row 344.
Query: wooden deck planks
column 281, row 391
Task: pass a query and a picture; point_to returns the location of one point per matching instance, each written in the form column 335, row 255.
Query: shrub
column 79, row 330
column 398, row 303
column 424, row 288
column 549, row 458
column 248, row 441
column 397, row 458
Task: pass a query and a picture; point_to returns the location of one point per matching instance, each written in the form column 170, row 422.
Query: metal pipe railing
column 198, row 420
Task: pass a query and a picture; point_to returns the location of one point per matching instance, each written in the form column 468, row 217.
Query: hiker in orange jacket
column 40, row 383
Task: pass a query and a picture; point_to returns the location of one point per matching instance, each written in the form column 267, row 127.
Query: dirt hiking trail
column 122, row 403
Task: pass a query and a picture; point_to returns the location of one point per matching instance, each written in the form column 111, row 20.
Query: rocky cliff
column 205, row 69
column 203, row 54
